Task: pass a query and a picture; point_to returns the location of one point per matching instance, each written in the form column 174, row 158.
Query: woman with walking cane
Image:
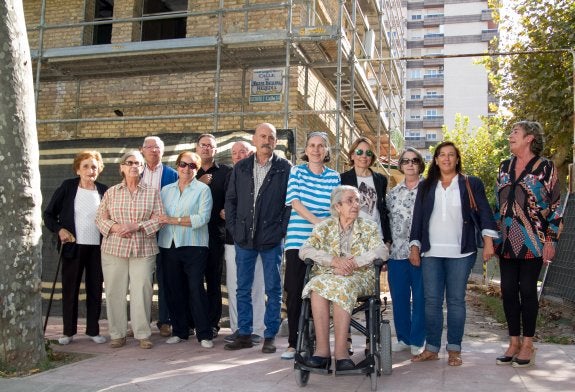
column 71, row 214
column 528, row 216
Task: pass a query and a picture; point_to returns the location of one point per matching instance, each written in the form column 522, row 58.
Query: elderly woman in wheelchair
column 343, row 249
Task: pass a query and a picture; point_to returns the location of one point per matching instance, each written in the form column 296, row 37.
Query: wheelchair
column 376, row 330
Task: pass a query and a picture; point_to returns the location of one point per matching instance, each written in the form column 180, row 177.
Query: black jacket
column 265, row 225
column 380, row 182
column 60, row 211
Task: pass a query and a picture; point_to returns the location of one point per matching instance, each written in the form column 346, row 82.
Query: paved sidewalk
column 189, row 367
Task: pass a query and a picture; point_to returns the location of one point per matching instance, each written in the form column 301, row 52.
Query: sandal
column 454, row 358
column 426, row 355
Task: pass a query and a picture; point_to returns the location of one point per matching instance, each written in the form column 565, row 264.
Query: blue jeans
column 445, row 277
column 245, row 262
column 406, row 285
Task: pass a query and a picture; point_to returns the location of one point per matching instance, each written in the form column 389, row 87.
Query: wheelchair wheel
column 385, row 348
column 301, row 377
column 375, row 374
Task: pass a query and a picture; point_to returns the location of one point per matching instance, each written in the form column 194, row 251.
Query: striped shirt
column 196, row 202
column 313, row 191
column 120, row 206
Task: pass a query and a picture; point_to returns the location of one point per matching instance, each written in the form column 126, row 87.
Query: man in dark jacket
column 257, row 218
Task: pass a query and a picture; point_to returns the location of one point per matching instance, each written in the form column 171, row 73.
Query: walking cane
column 53, row 287
column 540, row 290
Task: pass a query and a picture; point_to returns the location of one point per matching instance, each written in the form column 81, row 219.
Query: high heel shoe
column 507, row 359
column 521, row 363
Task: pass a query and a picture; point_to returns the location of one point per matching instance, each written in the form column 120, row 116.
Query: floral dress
column 326, row 242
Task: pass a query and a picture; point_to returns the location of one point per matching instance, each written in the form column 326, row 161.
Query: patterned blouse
column 528, row 211
column 120, row 206
column 400, row 202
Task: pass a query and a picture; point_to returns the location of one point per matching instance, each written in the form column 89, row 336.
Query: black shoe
column 269, row 346
column 243, row 341
column 318, row 362
column 344, row 364
column 504, row 360
column 215, row 331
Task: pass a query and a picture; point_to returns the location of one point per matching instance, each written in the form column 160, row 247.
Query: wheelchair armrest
column 379, row 262
column 308, row 263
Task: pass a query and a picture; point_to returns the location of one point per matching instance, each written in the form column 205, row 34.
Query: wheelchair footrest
column 299, row 364
column 367, row 366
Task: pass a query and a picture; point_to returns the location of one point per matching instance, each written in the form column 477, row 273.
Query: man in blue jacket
column 257, row 218
column 157, row 175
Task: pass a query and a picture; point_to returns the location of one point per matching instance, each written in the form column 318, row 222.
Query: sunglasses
column 191, row 165
column 359, row 152
column 406, row 161
column 132, row 163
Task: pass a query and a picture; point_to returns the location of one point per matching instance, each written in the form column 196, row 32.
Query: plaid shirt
column 120, row 206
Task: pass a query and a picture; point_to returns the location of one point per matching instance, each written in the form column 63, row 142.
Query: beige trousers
column 135, row 273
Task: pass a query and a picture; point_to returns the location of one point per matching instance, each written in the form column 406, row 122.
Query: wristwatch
column 179, row 220
column 140, row 226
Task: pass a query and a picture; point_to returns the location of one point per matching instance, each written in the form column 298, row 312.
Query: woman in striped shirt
column 128, row 220
column 308, row 194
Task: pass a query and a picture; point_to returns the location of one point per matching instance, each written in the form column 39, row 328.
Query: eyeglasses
column 351, row 201
column 406, row 161
column 208, row 146
column 132, row 163
column 152, row 147
column 359, row 152
column 191, row 165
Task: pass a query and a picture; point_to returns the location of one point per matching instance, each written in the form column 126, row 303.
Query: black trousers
column 293, row 286
column 213, row 276
column 184, row 272
column 519, row 292
column 88, row 259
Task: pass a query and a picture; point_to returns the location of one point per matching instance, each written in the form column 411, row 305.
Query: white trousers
column 135, row 273
column 258, row 292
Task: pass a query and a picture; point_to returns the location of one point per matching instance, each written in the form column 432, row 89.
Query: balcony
column 486, row 15
column 433, row 62
column 415, row 142
column 433, row 3
column 432, row 121
column 413, row 124
column 435, row 80
column 433, row 40
column 431, row 101
column 414, row 104
column 433, row 20
column 487, row 35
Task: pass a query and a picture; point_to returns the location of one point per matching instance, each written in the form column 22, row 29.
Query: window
column 431, row 136
column 103, row 32
column 415, row 96
column 164, row 28
column 415, row 117
column 416, row 17
column 412, row 135
column 415, row 74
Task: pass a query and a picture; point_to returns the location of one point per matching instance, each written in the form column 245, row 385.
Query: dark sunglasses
column 359, row 152
column 191, row 165
column 406, row 161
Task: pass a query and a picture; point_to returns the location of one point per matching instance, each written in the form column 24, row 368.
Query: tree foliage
column 538, row 85
column 482, row 149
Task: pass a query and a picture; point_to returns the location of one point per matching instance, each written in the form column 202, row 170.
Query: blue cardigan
column 169, row 176
column 424, row 207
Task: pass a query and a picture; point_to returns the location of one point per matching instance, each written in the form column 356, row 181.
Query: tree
column 539, row 86
column 21, row 335
column 482, row 149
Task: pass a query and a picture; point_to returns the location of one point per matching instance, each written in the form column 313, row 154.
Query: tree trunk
column 21, row 335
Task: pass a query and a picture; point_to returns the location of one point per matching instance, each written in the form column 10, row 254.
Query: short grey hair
column 158, row 141
column 136, row 154
column 336, row 196
column 536, row 130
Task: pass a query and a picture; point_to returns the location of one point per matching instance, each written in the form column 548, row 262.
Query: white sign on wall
column 267, row 85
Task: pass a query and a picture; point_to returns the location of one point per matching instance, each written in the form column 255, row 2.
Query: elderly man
column 215, row 176
column 157, row 175
column 257, row 217
column 241, row 150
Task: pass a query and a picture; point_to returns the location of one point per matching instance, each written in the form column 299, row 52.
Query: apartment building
column 439, row 86
column 106, row 69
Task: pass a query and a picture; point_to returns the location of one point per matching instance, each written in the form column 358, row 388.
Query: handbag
column 474, row 215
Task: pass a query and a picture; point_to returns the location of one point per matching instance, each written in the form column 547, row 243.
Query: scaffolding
column 328, row 41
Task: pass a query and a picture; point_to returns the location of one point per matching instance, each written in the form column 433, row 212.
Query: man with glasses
column 157, row 175
column 215, row 176
column 257, row 217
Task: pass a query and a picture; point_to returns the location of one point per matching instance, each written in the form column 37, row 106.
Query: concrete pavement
column 189, row 367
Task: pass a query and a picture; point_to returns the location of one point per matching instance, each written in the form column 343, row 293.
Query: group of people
column 184, row 223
